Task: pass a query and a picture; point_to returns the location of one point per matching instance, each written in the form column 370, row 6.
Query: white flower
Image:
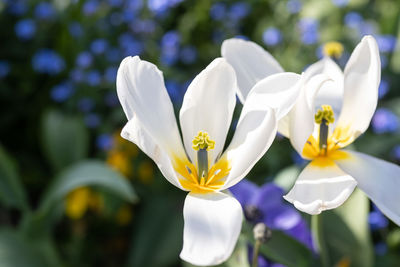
column 199, row 165
column 327, row 117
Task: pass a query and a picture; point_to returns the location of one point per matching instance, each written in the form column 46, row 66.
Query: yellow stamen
column 333, row 49
column 326, row 113
column 203, row 141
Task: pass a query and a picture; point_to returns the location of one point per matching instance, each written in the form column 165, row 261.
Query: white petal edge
column 379, row 179
column 330, row 93
column 362, row 76
column 251, row 62
column 142, row 93
column 208, row 106
column 212, row 226
column 135, row 132
column 255, row 132
column 320, row 188
column 301, row 117
column 278, row 91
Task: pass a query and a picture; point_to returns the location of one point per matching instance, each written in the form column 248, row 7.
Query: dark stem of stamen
column 202, row 161
column 323, row 136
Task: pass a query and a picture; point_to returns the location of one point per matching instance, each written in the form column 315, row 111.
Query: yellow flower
column 120, row 162
column 333, row 49
column 77, row 202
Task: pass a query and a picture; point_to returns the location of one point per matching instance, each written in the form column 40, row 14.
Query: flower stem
column 256, row 249
column 318, row 233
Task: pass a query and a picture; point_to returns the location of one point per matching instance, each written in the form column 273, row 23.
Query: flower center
column 333, row 49
column 325, row 147
column 203, row 179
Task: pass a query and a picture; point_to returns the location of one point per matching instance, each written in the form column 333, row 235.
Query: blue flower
column 380, row 248
column 62, row 92
column 104, row 142
column 93, row 78
column 130, row 46
column 48, row 61
column 309, row 30
column 158, row 6
column 170, row 43
column 113, row 55
column 115, row 3
column 218, row 11
column 44, row 10
column 377, row 220
column 383, row 88
column 188, row 54
column 396, row 152
column 99, row 46
column 353, row 19
column 84, row 59
column 171, row 39
column 367, row 28
column 272, row 36
column 340, row 3
column 116, row 19
column 174, row 90
column 384, row 121
column 144, row 26
column 17, row 7
column 239, row 10
column 92, row 120
column 265, row 204
column 386, row 42
column 90, row 7
column 111, row 74
column 294, row 6
column 75, row 29
column 4, row 68
column 25, row 29
column 111, row 99
column 85, row 104
column 77, row 75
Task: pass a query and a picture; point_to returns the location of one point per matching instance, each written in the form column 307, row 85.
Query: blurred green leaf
column 158, row 235
column 346, row 232
column 283, row 249
column 65, row 139
column 15, row 251
column 87, row 173
column 286, row 177
column 12, row 193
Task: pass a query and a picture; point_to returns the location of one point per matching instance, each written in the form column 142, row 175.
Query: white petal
column 251, row 63
column 361, row 81
column 301, row 117
column 208, row 106
column 331, row 92
column 283, row 126
column 320, row 188
column 212, row 227
column 135, row 132
column 254, row 134
column 379, row 179
column 278, row 91
column 152, row 124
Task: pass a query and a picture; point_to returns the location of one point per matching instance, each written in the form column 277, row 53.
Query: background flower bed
column 59, row 108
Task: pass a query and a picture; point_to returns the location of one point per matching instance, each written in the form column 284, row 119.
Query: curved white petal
column 136, row 133
column 361, row 81
column 331, row 92
column 254, row 134
column 379, row 179
column 301, row 117
column 278, row 91
column 208, row 106
column 212, row 227
column 152, row 124
column 283, row 125
column 320, row 188
column 251, row 63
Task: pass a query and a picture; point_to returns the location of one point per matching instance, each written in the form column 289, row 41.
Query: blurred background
column 73, row 193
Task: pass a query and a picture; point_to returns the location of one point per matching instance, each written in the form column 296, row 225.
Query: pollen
column 333, row 49
column 326, row 113
column 203, row 141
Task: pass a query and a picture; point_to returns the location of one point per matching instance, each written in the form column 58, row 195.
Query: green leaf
column 87, row 173
column 158, row 235
column 12, row 193
column 346, row 232
column 15, row 251
column 65, row 139
column 282, row 248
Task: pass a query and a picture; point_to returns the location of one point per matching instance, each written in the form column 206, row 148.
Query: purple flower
column 384, row 121
column 294, row 6
column 396, row 152
column 353, row 20
column 386, row 42
column 383, row 88
column 272, row 36
column 377, row 220
column 309, row 30
column 25, row 29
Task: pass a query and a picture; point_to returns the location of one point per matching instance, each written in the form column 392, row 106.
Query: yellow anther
column 333, row 49
column 326, row 113
column 203, row 141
